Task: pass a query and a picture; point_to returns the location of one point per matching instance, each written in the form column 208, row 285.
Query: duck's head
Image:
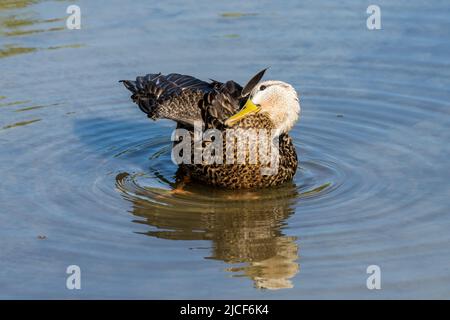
column 277, row 99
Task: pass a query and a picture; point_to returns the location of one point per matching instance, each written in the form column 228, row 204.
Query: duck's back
column 256, row 173
column 185, row 99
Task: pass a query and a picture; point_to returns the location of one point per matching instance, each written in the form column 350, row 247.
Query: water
column 86, row 178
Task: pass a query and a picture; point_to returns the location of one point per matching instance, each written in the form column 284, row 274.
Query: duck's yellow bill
column 249, row 108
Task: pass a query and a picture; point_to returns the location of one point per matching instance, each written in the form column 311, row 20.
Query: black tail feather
column 143, row 94
column 130, row 85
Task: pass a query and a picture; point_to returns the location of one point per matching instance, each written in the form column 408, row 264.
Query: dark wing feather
column 220, row 104
column 226, row 100
column 252, row 83
column 173, row 96
column 186, row 99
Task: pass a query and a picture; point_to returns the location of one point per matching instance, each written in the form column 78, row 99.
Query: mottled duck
column 269, row 105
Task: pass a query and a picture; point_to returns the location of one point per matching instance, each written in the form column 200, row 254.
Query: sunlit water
column 86, row 178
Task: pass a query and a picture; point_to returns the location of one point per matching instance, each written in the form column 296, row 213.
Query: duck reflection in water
column 245, row 227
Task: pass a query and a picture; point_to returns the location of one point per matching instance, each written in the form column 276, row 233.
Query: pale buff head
column 279, row 101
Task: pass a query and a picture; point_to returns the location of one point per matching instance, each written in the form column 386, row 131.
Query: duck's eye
column 262, row 88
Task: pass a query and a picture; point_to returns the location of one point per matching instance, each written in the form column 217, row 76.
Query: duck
column 270, row 106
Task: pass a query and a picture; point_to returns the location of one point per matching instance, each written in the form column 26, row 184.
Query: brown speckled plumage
column 185, row 100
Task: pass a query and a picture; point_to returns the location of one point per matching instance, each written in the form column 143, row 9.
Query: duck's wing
column 220, row 104
column 173, row 96
column 185, row 99
column 227, row 98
